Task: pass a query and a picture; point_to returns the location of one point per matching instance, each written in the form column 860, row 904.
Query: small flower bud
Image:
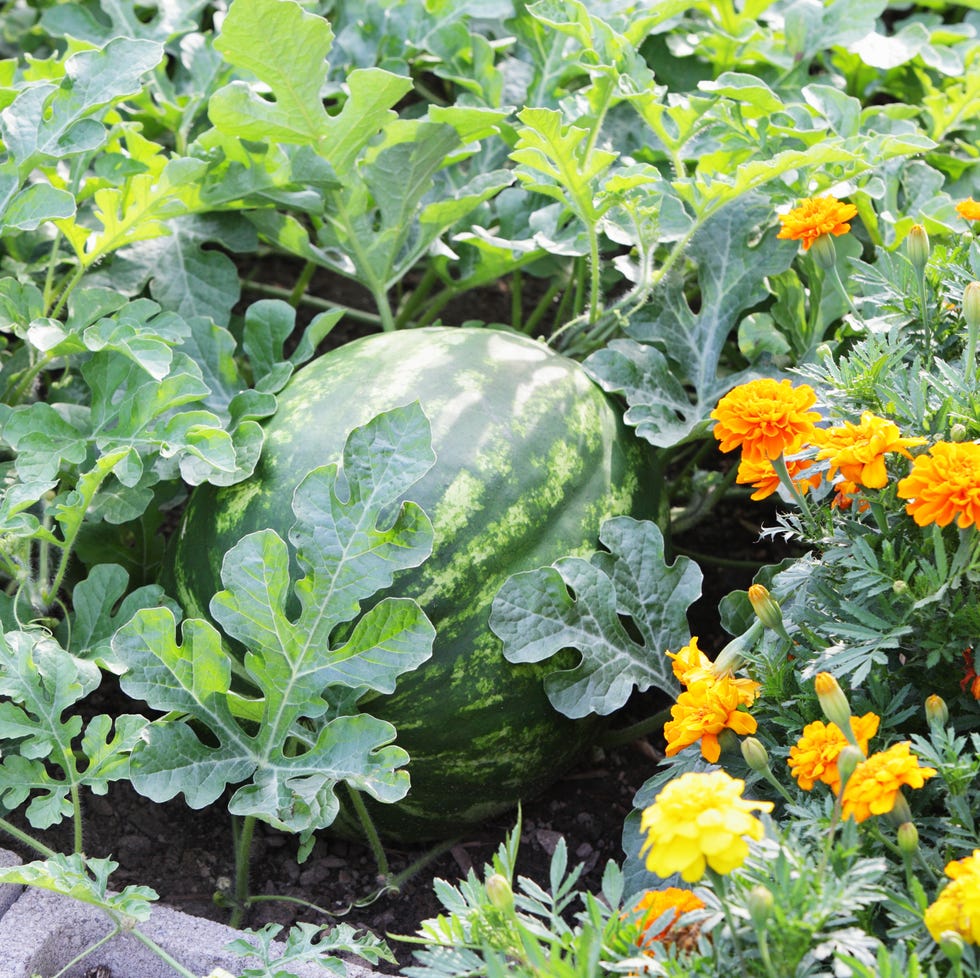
column 755, row 755
column 900, row 586
column 917, row 247
column 767, row 609
column 823, row 251
column 733, row 655
column 847, row 760
column 759, row 905
column 499, row 892
column 958, row 432
column 908, row 838
column 971, row 305
column 952, row 945
column 834, row 703
column 937, row 713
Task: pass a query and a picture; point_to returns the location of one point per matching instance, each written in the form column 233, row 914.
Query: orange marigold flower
column 691, row 665
column 858, row 451
column 815, row 217
column 760, row 474
column 654, row 904
column 704, row 710
column 813, row 757
column 844, row 495
column 944, row 485
column 876, row 783
column 957, row 908
column 970, row 680
column 766, row 418
column 968, row 209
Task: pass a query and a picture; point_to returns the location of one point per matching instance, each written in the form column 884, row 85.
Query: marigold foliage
column 957, row 908
column 944, row 485
column 968, row 209
column 875, row 784
column 707, row 708
column 766, row 418
column 813, row 758
column 700, row 819
column 858, row 451
column 815, row 217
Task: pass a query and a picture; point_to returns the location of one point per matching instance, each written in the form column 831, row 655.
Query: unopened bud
column 499, row 892
column 834, row 703
column 733, row 655
column 958, row 432
column 900, row 813
column 755, row 755
column 900, row 586
column 767, row 609
column 917, row 247
column 937, row 713
column 952, row 945
column 759, row 904
column 847, row 760
column 971, row 305
column 908, row 838
column 823, row 251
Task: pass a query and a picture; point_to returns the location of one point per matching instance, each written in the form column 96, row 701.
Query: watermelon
column 532, row 457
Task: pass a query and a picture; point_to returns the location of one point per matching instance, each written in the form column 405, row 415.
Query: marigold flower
column 654, row 904
column 760, row 474
column 957, row 908
column 876, row 784
column 706, row 708
column 814, row 756
column 968, row 209
column 766, row 418
column 690, row 664
column 970, row 680
column 700, row 819
column 944, row 485
column 858, row 451
column 816, row 217
column 845, row 493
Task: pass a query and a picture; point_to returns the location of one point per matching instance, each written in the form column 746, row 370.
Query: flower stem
column 779, row 464
column 720, row 888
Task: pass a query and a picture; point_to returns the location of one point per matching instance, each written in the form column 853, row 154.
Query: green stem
column 419, row 294
column 516, row 296
column 720, row 887
column 370, row 832
column 76, row 277
column 537, row 314
column 594, row 275
column 314, row 302
column 779, row 464
column 27, row 840
column 243, row 831
column 91, row 949
column 626, row 735
column 161, row 953
column 302, row 281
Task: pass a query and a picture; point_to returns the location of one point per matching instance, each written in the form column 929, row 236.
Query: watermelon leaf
column 290, row 744
column 581, row 604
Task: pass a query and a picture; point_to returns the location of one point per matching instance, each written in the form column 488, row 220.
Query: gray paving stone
column 42, row 932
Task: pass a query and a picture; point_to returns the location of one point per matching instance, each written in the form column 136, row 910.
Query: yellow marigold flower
column 957, row 908
column 875, row 785
column 700, row 819
column 654, row 904
column 760, row 474
column 813, row 757
column 766, row 418
column 705, row 709
column 968, row 209
column 690, row 664
column 944, row 485
column 858, row 451
column 815, row 217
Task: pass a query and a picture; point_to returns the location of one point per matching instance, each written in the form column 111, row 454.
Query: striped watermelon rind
column 532, row 458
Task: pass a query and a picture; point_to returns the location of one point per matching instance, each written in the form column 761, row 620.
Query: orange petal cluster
column 968, row 209
column 655, row 904
column 876, row 783
column 814, row 756
column 815, row 217
column 944, row 485
column 765, row 418
column 704, row 710
column 760, row 474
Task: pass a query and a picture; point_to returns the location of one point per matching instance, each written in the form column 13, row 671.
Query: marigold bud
column 971, row 305
column 937, row 713
column 958, row 432
column 759, row 905
column 732, row 656
column 755, row 755
column 908, row 838
column 952, row 945
column 834, row 703
column 917, row 247
column 767, row 609
column 900, row 586
column 847, row 760
column 499, row 891
column 823, row 251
